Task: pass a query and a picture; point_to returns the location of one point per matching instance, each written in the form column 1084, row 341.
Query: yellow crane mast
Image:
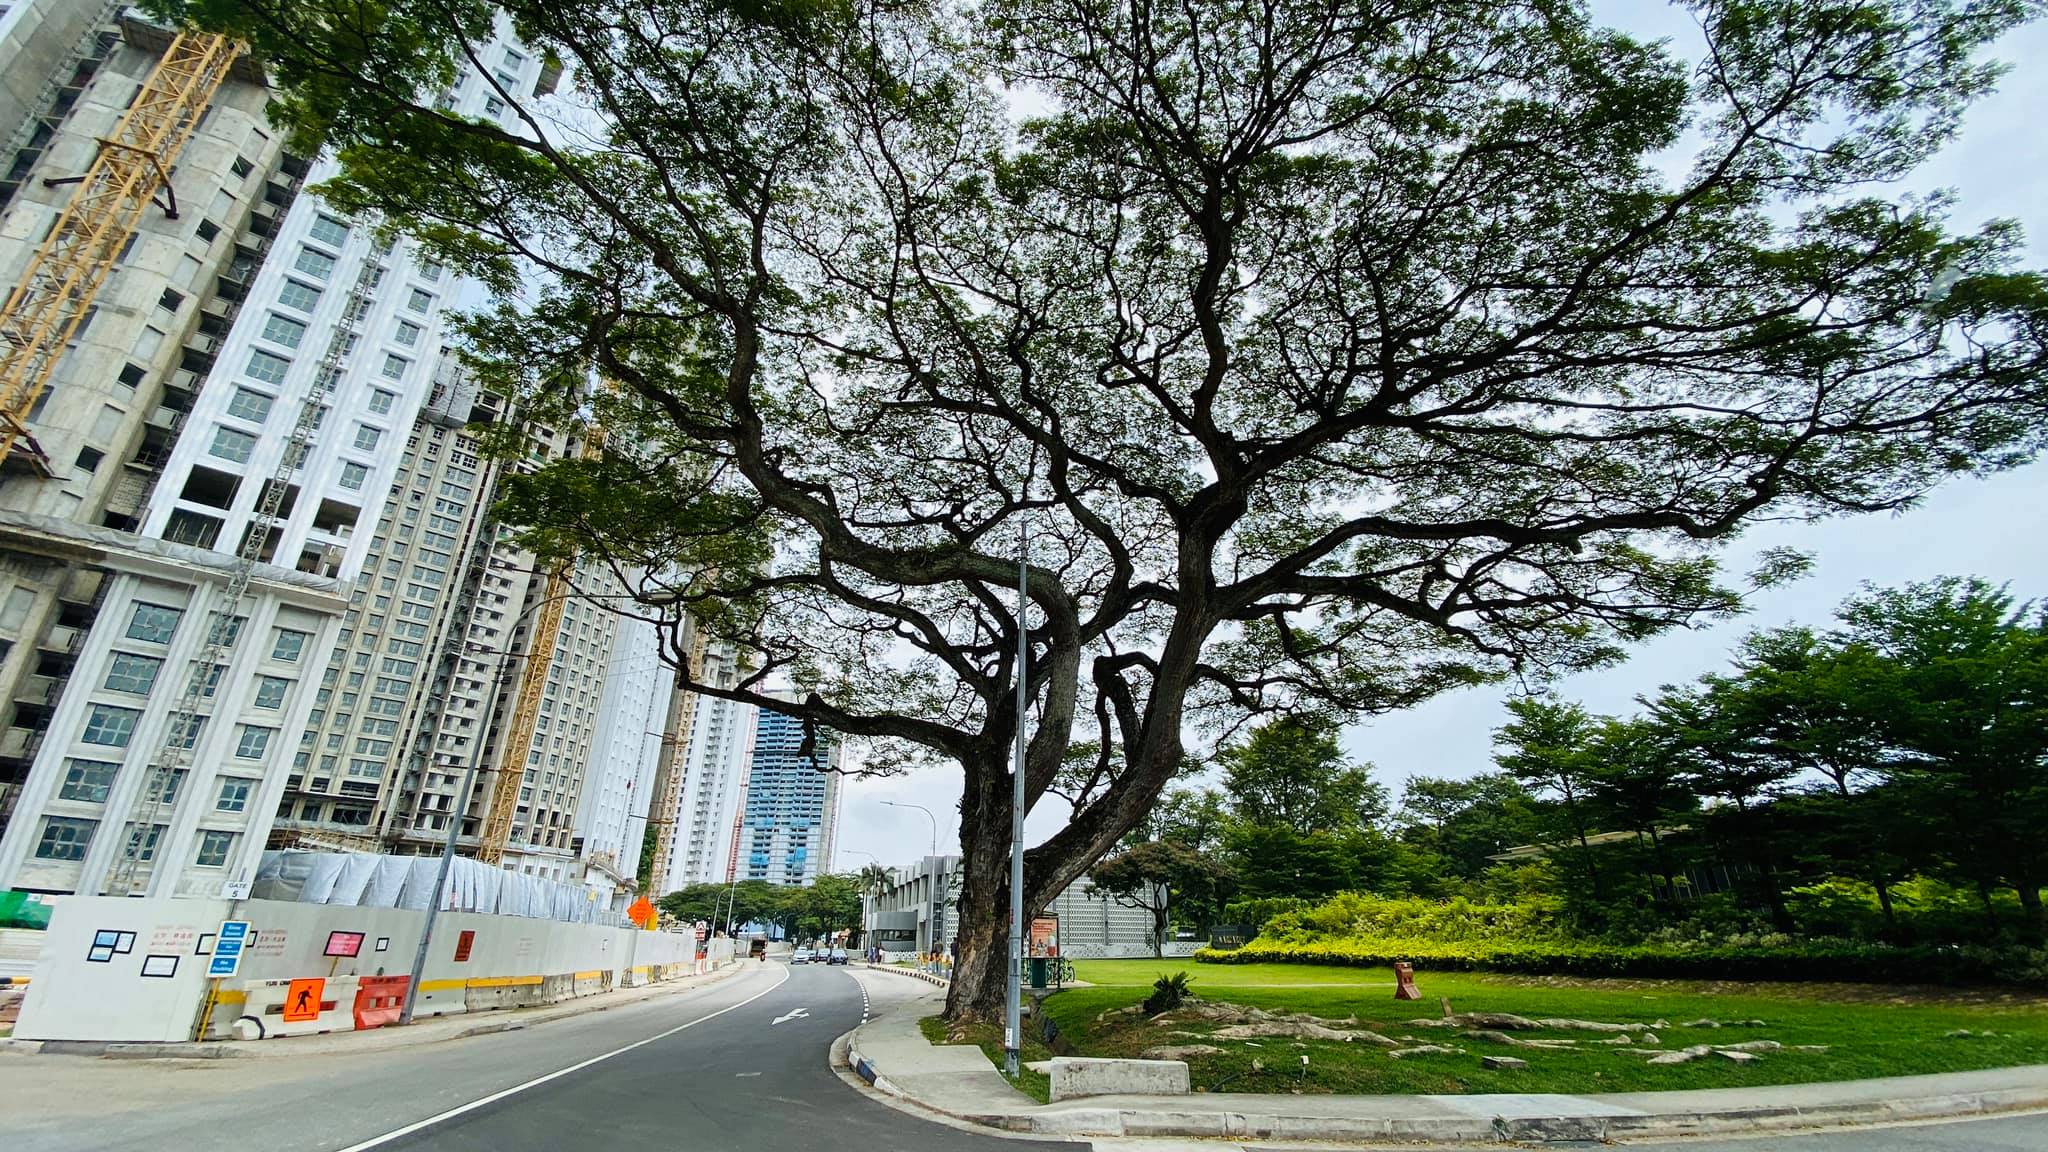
column 533, row 682
column 65, row 275
column 668, row 788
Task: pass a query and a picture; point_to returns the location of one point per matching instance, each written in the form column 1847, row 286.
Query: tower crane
column 44, row 311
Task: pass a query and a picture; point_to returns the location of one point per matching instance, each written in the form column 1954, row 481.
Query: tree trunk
column 1990, row 909
column 981, row 969
column 1884, row 902
column 1664, row 865
column 2034, row 924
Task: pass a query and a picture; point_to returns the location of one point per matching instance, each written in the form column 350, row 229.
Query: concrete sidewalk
column 432, row 1030
column 958, row 1081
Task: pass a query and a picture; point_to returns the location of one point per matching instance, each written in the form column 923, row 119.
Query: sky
column 1996, row 527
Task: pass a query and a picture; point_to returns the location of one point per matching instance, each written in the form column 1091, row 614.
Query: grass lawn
column 1870, row 1031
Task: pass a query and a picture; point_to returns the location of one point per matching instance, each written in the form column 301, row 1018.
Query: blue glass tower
column 792, row 812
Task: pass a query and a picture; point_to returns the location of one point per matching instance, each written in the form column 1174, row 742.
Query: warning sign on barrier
column 302, row 1002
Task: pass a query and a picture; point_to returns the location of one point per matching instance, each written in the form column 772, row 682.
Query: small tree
column 1291, row 772
column 1547, row 745
column 1161, row 875
column 1959, row 692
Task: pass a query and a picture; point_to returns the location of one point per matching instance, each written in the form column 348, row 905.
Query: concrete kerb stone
column 1079, row 1076
column 374, row 1040
column 927, row 977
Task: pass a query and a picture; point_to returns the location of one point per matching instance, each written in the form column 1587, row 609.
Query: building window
column 367, row 437
column 395, row 366
column 314, row 263
column 381, row 401
column 110, row 726
column 366, row 769
column 231, row 445
column 421, row 301
column 267, row 367
column 234, row 795
column 64, row 838
column 142, row 845
column 283, row 330
column 131, row 673
column 88, row 780
column 213, row 849
column 328, row 230
column 353, row 475
column 251, row 742
column 493, row 107
column 213, row 674
column 408, row 333
column 162, row 790
column 301, row 296
column 250, row 405
column 185, row 733
column 431, row 272
column 270, row 691
column 289, row 645
column 153, row 623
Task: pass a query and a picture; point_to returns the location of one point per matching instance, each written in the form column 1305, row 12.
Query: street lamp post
column 937, row 919
column 1013, row 990
column 455, row 818
column 469, row 774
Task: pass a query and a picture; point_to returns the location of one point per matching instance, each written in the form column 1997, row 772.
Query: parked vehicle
column 802, row 956
column 838, row 956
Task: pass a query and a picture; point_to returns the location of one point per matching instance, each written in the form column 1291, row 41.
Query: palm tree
column 874, row 879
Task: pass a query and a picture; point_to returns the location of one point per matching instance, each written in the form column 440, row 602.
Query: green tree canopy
column 1163, row 875
column 1291, row 772
column 1331, row 355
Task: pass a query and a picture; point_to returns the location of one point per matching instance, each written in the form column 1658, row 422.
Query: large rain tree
column 1328, row 353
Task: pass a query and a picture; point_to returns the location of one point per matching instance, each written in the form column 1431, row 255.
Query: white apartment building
column 619, row 784
column 719, row 757
column 331, row 316
column 381, row 758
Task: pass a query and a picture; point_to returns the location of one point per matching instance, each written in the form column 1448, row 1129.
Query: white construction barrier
column 119, row 969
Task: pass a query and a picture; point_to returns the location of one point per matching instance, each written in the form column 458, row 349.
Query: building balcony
column 20, row 743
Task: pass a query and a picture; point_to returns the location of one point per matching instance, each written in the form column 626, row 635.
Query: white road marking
column 793, row 1014
column 473, row 1105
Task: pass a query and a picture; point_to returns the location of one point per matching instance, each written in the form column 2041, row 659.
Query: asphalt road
column 738, row 1065
column 705, row 1069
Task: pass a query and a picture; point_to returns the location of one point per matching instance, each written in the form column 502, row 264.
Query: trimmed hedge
column 1819, row 960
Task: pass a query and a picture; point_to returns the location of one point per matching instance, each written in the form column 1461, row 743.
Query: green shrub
column 1765, row 958
column 1361, row 915
column 1254, row 914
column 1168, row 992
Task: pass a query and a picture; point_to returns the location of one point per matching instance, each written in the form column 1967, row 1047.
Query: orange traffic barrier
column 379, row 1000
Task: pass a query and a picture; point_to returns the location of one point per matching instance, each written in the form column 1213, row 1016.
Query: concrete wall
column 512, row 962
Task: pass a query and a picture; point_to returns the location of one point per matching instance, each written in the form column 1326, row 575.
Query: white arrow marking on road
column 797, row 1014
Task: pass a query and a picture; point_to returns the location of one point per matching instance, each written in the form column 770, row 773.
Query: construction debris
column 1502, row 1063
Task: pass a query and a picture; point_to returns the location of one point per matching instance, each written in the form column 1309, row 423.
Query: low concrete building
column 904, row 919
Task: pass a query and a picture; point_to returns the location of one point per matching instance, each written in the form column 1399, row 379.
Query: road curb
column 1603, row 1122
column 1164, row 1121
column 939, row 981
